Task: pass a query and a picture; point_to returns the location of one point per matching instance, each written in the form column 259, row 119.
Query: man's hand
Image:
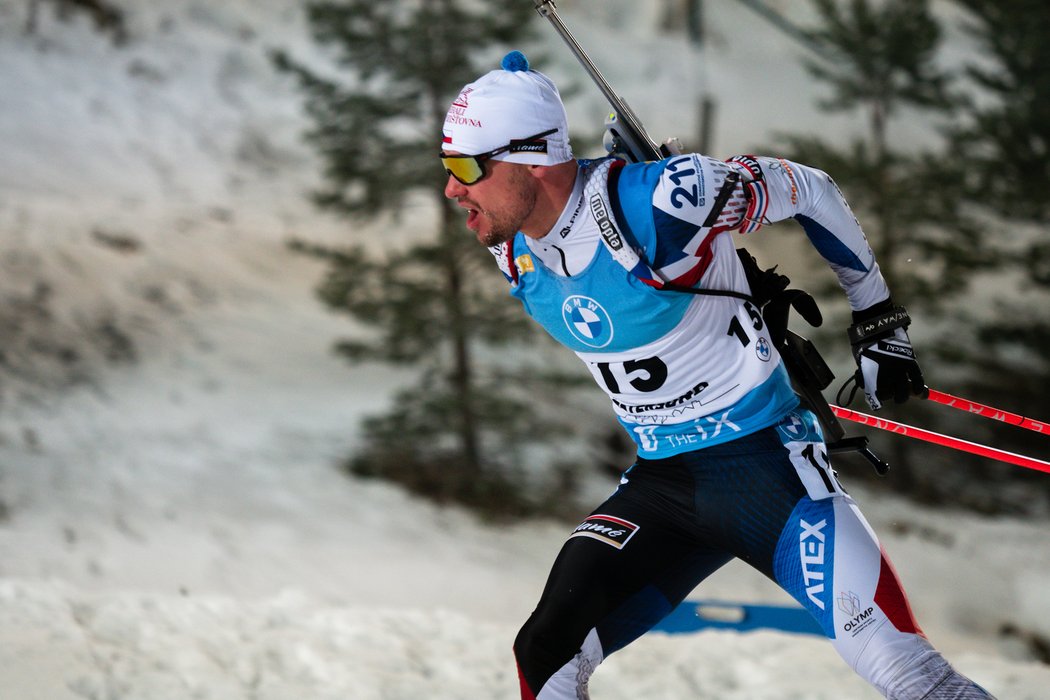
column 886, row 365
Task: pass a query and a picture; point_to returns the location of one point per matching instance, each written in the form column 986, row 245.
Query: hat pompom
column 515, row 61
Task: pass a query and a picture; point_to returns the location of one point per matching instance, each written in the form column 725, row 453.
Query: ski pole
column 989, row 412
column 939, row 439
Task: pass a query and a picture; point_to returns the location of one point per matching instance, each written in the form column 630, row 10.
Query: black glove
column 886, row 365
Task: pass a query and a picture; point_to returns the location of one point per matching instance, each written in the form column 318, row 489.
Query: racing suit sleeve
column 780, row 189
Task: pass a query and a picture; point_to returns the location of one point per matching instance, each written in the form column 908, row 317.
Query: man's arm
column 780, row 189
column 811, row 197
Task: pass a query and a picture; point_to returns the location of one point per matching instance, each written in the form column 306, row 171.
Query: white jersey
column 682, row 371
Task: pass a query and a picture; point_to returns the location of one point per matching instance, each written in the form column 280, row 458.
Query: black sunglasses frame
column 480, row 158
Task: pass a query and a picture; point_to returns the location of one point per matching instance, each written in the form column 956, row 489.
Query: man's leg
column 830, row 560
column 622, row 571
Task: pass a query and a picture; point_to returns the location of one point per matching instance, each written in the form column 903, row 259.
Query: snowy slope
column 172, row 524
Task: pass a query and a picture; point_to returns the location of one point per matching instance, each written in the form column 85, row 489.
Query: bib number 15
column 646, row 374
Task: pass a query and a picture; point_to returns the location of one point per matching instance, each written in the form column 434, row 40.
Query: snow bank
column 62, row 644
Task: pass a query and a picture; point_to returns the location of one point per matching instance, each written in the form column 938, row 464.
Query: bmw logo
column 762, row 350
column 588, row 322
column 794, row 427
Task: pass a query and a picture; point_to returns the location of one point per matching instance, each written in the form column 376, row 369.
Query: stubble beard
column 504, row 224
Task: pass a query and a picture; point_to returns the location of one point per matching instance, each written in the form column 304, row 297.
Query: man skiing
column 729, row 464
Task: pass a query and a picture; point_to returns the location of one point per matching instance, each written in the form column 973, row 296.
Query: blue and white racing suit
column 728, row 463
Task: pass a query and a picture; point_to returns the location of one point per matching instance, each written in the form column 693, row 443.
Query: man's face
column 499, row 204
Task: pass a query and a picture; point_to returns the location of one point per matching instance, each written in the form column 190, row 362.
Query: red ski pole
column 939, row 439
column 989, row 412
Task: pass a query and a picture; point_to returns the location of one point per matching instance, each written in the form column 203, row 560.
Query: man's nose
column 454, row 188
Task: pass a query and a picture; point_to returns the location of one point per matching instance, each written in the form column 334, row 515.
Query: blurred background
column 244, row 340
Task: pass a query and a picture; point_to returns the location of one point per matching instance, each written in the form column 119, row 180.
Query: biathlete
column 729, row 465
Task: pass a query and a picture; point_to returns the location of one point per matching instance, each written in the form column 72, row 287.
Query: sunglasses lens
column 466, row 170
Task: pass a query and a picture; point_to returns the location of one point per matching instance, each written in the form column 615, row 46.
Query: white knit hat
column 506, row 105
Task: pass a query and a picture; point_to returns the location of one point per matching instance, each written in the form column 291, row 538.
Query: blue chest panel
column 603, row 309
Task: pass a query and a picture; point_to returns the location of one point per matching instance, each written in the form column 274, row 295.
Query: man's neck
column 552, row 196
column 570, row 245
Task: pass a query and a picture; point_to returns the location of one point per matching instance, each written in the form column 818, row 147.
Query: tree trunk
column 461, row 375
column 883, row 204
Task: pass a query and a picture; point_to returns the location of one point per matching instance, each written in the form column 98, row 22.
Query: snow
column 173, row 523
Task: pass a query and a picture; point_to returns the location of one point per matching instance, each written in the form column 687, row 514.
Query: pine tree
column 1003, row 148
column 1007, row 140
column 438, row 306
column 940, row 208
column 880, row 61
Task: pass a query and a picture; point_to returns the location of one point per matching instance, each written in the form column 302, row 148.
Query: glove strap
column 878, row 326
